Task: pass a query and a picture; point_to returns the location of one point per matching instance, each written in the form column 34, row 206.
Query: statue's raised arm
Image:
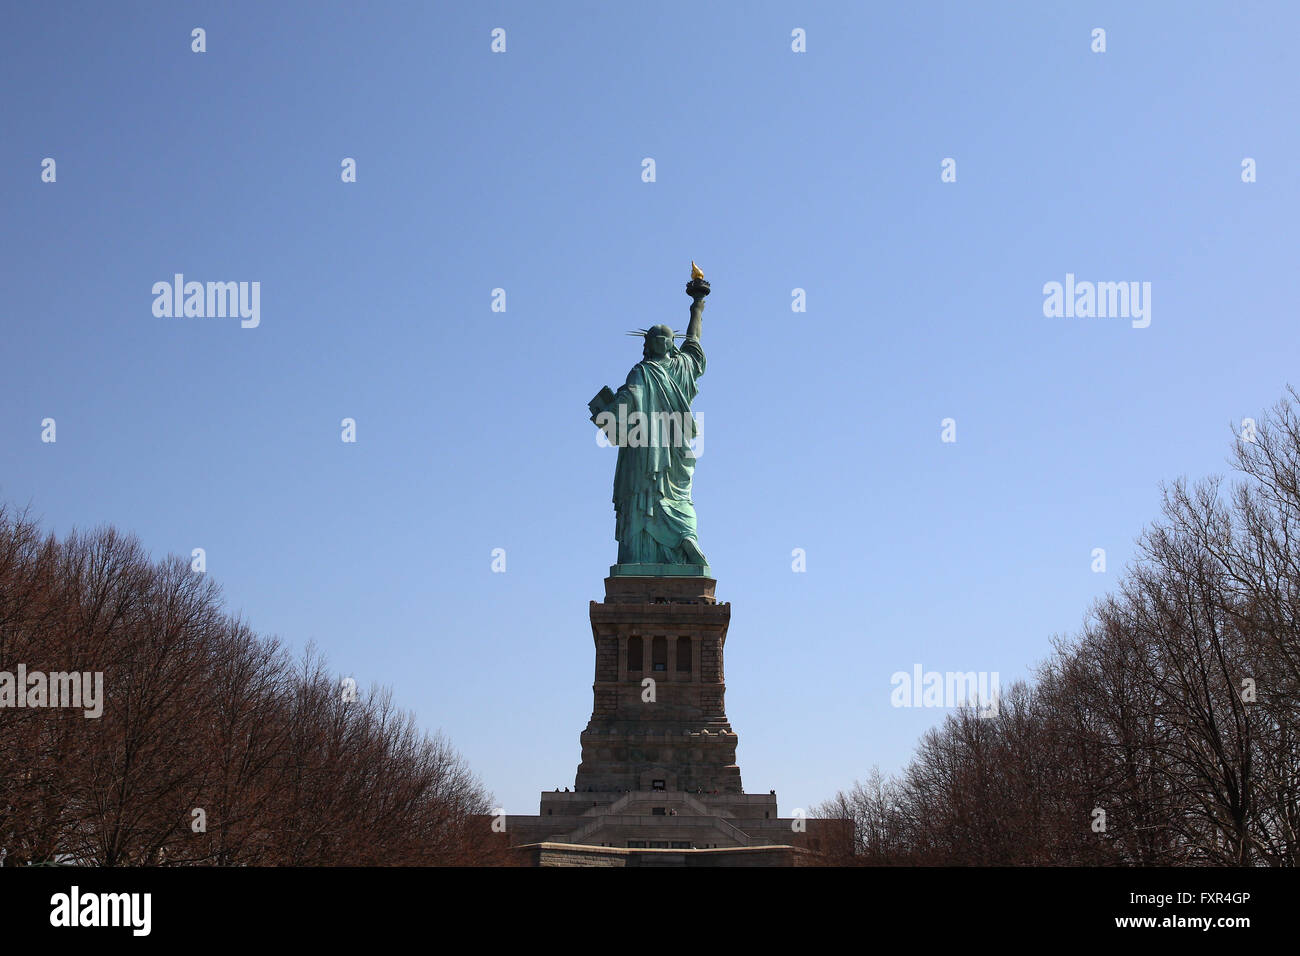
column 697, row 289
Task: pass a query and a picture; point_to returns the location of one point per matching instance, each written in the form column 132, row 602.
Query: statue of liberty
column 650, row 421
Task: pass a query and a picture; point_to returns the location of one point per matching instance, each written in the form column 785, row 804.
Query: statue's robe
column 653, row 510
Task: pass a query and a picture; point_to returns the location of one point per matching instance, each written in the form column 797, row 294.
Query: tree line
column 1165, row 732
column 215, row 745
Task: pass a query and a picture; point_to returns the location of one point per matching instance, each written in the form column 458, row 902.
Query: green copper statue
column 650, row 421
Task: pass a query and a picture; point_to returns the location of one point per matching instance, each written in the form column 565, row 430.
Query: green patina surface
column 649, row 419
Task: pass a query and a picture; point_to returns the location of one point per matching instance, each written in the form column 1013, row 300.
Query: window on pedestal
column 683, row 655
column 634, row 654
column 659, row 654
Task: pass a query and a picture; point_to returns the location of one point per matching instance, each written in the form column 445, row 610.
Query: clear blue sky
column 522, row 170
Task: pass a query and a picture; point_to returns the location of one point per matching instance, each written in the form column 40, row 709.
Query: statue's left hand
column 604, row 398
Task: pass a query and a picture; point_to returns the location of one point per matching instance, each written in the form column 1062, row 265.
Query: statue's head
column 658, row 342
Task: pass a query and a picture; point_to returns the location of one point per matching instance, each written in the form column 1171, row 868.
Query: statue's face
column 658, row 342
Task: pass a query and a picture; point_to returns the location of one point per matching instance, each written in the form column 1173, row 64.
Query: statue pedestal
column 672, row 631
column 658, row 784
column 660, row 571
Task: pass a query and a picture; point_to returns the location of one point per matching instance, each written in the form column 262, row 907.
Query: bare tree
column 214, row 747
column 1164, row 733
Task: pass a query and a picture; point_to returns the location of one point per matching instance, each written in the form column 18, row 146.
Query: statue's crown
column 644, row 332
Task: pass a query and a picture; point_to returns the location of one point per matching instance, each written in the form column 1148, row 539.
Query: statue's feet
column 693, row 553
